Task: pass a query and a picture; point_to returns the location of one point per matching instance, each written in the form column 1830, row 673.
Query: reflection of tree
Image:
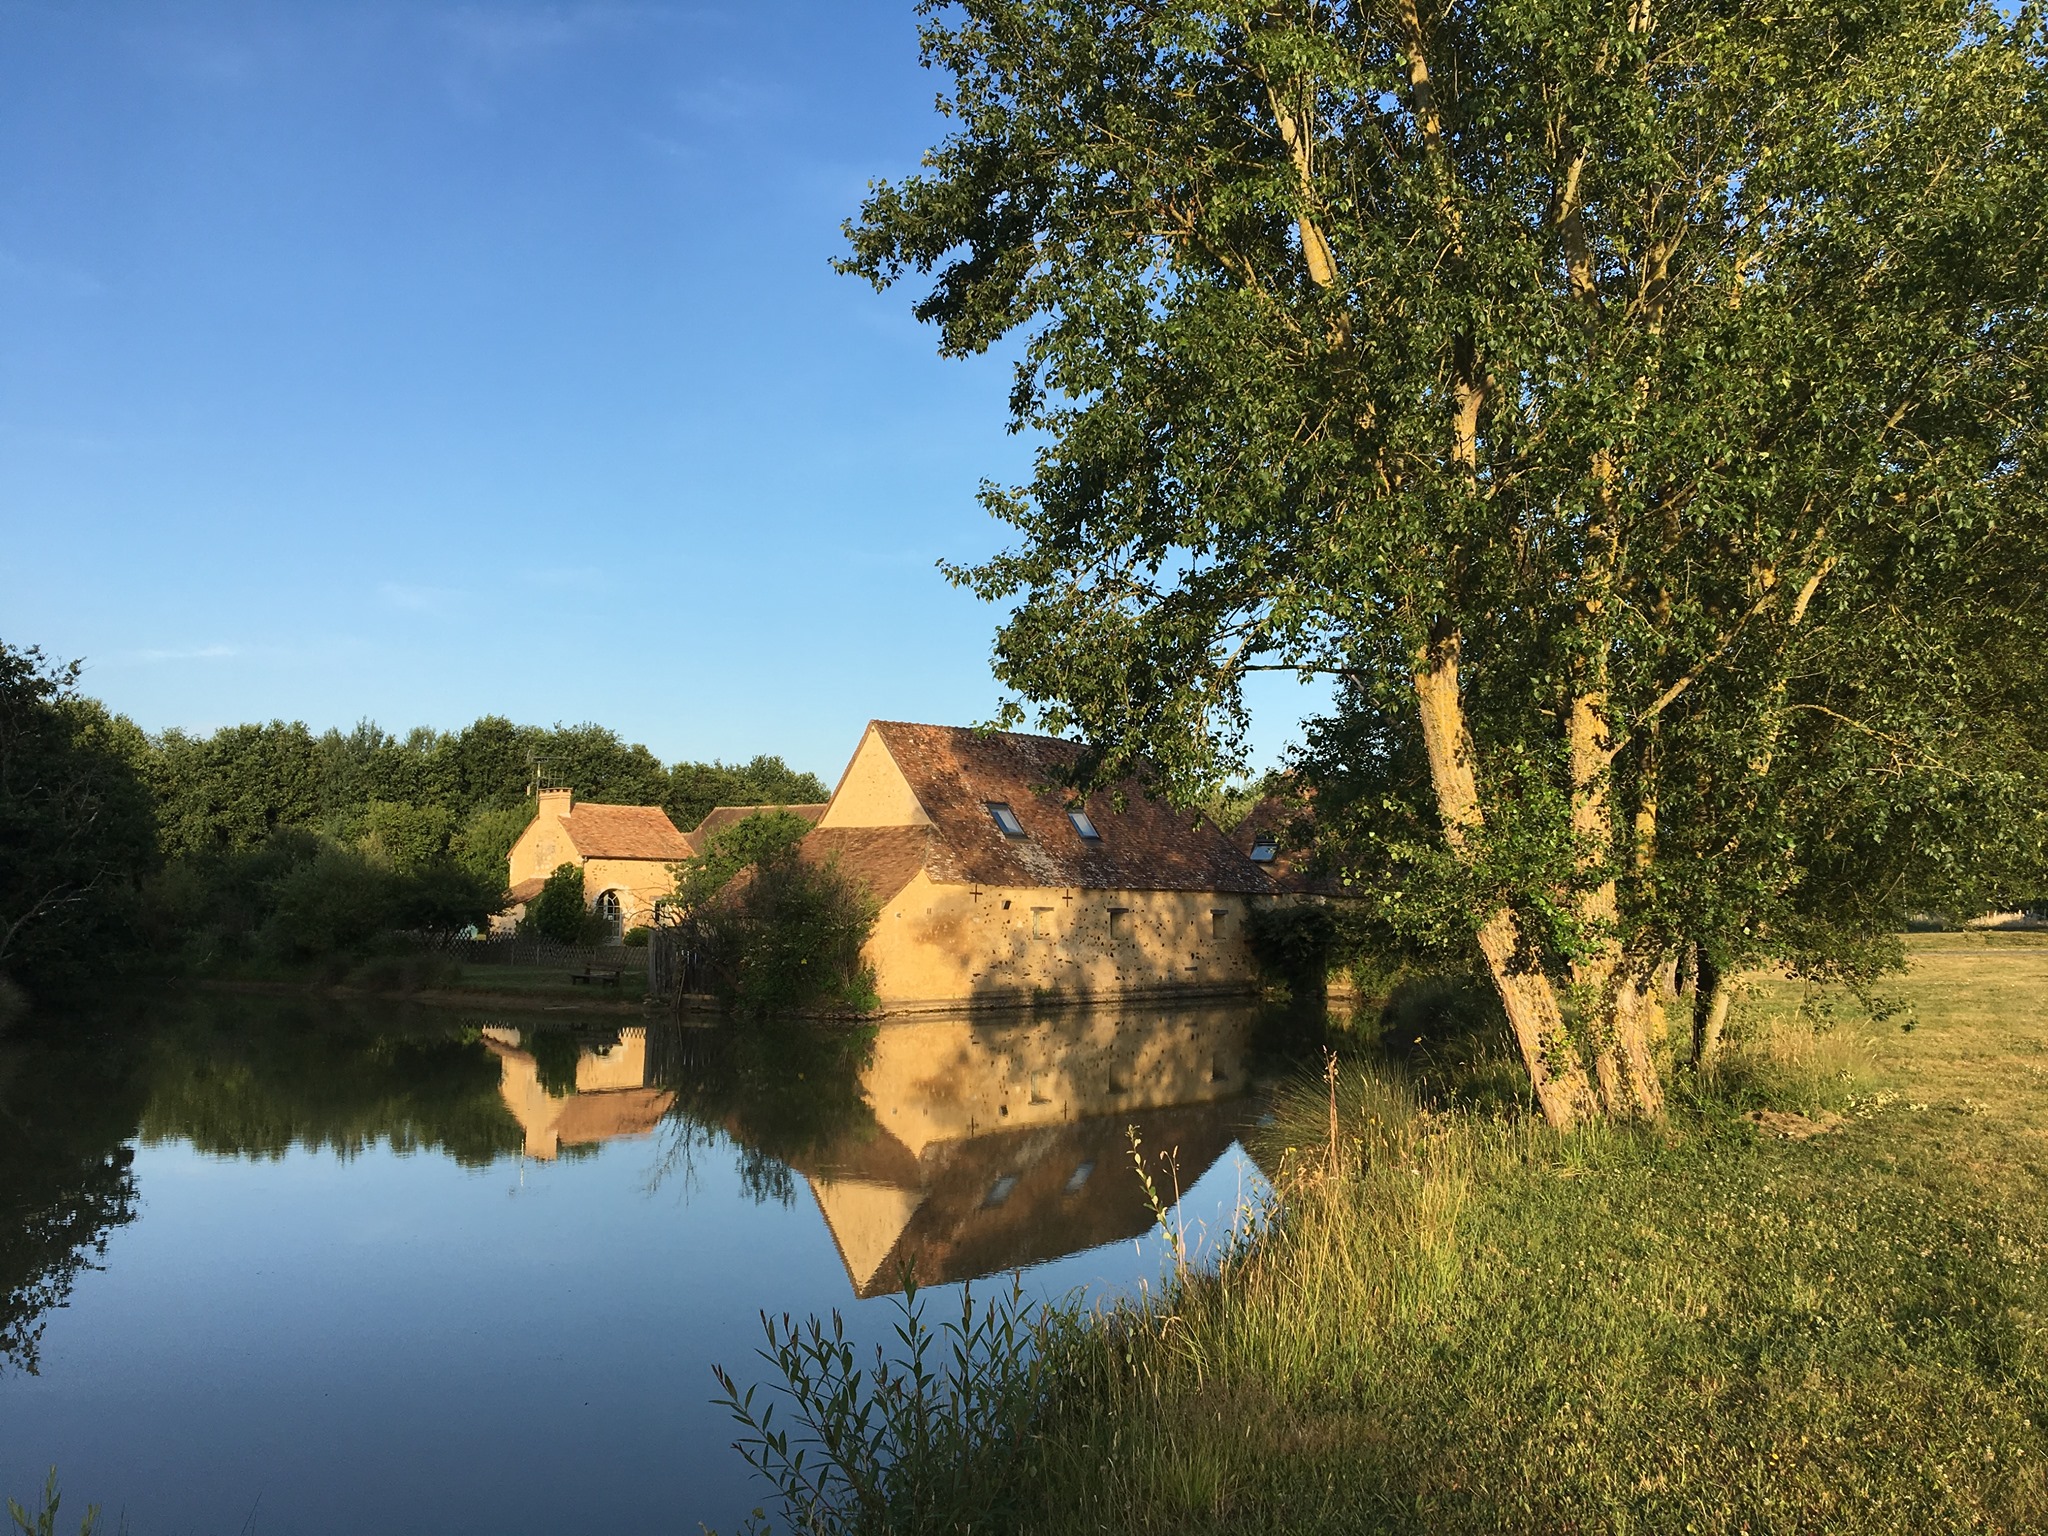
column 256, row 1082
column 66, row 1109
column 779, row 1089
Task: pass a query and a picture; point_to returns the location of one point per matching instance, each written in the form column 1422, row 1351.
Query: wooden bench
column 603, row 976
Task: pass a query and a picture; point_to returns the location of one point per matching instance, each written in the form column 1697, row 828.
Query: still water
column 278, row 1268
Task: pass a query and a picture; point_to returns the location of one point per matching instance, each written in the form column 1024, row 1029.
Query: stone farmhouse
column 625, row 852
column 998, row 887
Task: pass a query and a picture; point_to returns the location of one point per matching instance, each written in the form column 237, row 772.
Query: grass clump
column 1459, row 1321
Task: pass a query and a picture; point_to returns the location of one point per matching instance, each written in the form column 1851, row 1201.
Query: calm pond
column 280, row 1267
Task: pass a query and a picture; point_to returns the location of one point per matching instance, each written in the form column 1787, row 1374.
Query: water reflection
column 952, row 1148
column 66, row 1178
column 603, row 1095
column 945, row 1148
column 299, row 1213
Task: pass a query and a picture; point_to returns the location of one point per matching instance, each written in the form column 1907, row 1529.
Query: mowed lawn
column 1814, row 1301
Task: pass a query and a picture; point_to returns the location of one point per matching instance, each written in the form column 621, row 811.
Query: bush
column 789, row 939
column 637, row 937
column 741, row 846
column 335, row 904
column 559, row 911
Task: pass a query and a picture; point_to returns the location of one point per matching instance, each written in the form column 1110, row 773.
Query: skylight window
column 1006, row 818
column 1265, row 851
column 1084, row 826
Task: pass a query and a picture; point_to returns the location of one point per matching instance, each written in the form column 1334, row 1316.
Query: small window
column 1119, row 922
column 1219, row 924
column 1079, row 1177
column 1084, row 826
column 1265, row 851
column 1041, row 922
column 1006, row 818
column 999, row 1191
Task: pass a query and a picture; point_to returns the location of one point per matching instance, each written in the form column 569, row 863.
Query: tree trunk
column 1555, row 1069
column 1709, row 1014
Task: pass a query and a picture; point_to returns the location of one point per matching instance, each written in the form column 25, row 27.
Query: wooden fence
column 520, row 950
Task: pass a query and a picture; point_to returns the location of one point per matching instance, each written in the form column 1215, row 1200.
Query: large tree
column 76, row 831
column 1620, row 398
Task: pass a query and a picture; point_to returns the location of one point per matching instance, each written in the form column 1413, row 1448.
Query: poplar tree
column 1591, row 386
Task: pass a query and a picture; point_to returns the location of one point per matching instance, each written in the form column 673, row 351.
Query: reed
column 1456, row 1320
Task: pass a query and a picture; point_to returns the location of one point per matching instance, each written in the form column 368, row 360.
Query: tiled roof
column 524, row 892
column 1288, row 820
column 624, row 832
column 885, row 859
column 1146, row 846
column 719, row 817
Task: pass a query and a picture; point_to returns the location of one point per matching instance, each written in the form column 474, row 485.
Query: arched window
column 607, row 907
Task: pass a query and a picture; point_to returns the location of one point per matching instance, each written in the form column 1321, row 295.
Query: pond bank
column 1465, row 1323
column 540, row 1000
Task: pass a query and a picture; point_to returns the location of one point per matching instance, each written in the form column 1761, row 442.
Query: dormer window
column 1005, row 818
column 1265, row 851
column 1084, row 826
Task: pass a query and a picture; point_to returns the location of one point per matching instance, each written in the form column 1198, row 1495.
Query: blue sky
column 416, row 362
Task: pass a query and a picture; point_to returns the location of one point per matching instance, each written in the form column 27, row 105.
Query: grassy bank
column 1832, row 1320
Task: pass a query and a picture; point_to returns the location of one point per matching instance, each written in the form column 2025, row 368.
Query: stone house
column 625, row 851
column 998, row 887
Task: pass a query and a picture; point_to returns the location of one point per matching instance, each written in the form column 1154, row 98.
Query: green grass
column 1464, row 1323
column 549, row 979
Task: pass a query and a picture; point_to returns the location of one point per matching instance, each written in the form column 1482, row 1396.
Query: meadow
column 1813, row 1300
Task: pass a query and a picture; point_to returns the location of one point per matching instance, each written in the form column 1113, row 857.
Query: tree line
column 273, row 840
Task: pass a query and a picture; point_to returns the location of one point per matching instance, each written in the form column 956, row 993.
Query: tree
column 1634, row 407
column 694, row 788
column 558, row 910
column 483, row 845
column 76, row 831
column 743, row 845
column 788, row 938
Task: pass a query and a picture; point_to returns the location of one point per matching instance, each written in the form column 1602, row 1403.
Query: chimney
column 556, row 802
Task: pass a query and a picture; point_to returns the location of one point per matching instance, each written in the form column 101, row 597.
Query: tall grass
column 1458, row 1321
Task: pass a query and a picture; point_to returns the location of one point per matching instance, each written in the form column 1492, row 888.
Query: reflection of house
column 610, row 1098
column 719, row 817
column 625, row 852
column 1005, row 1144
column 998, row 886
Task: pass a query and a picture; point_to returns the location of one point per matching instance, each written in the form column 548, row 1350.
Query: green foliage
column 726, row 852
column 788, row 939
column 903, row 1444
column 1457, row 1320
column 405, row 837
column 694, row 788
column 299, row 897
column 483, row 844
column 76, row 831
column 235, row 789
column 44, row 1521
column 1677, row 369
column 558, row 912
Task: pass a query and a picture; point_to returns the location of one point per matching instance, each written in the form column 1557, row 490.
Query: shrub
column 442, row 897
column 789, row 939
column 334, row 904
column 728, row 851
column 559, row 911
